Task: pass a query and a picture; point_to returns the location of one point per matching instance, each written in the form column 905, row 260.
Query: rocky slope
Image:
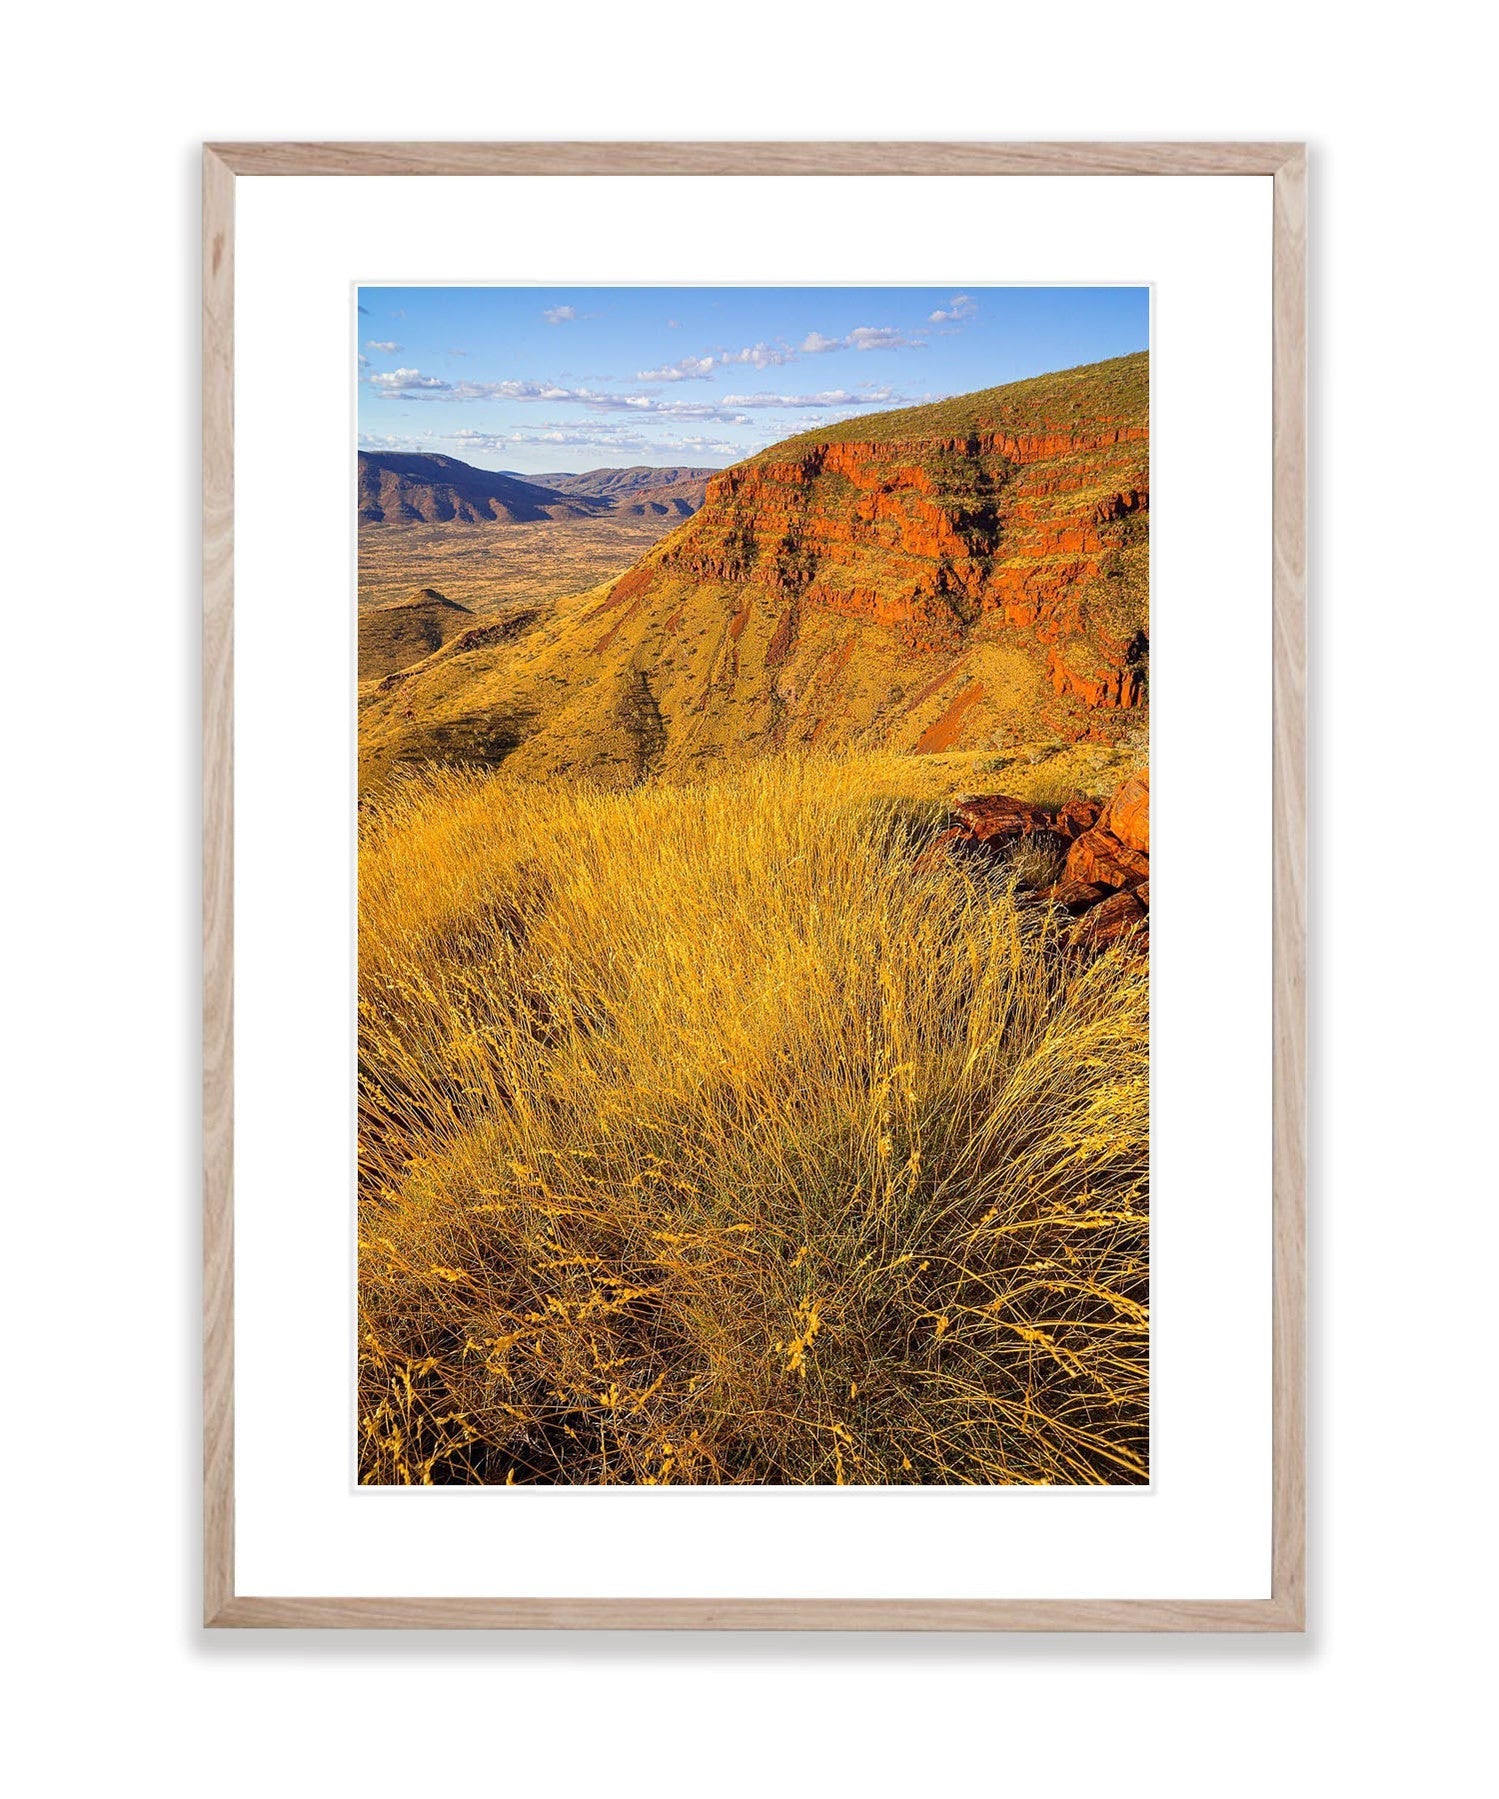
column 951, row 577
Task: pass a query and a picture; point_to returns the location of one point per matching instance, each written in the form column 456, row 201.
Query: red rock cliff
column 933, row 536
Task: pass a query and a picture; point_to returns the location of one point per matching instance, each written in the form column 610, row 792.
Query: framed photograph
column 754, row 798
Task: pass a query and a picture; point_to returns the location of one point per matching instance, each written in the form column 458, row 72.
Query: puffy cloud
column 765, row 355
column 405, row 381
column 386, row 348
column 705, row 446
column 760, row 356
column 880, row 337
column 700, row 368
column 411, row 384
column 420, row 440
column 559, row 315
column 862, row 337
column 690, row 368
column 960, row 306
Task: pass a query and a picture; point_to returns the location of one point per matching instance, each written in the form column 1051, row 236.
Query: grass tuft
column 704, row 1137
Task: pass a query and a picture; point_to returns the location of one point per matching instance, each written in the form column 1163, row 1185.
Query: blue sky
column 547, row 379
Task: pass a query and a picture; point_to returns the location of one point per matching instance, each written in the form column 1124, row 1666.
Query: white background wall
column 117, row 1686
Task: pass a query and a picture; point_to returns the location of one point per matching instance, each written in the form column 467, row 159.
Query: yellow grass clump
column 709, row 1135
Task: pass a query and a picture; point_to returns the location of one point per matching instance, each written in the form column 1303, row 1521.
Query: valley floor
column 488, row 567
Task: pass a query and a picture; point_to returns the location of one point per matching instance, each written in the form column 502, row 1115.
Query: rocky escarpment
column 952, row 578
column 998, row 546
column 1089, row 858
column 930, row 537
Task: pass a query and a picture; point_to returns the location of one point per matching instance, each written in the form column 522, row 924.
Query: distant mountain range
column 432, row 489
column 637, row 490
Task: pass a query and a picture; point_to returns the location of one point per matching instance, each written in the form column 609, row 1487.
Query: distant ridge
column 413, row 489
column 420, row 488
column 640, row 489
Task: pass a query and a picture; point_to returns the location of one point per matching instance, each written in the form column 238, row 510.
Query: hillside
column 1098, row 396
column 971, row 574
column 436, row 489
column 395, row 635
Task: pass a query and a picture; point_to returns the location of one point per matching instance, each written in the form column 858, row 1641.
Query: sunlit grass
column 705, row 1137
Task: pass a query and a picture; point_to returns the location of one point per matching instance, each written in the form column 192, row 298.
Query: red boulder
column 1101, row 859
column 998, row 819
column 1129, row 813
column 1120, row 915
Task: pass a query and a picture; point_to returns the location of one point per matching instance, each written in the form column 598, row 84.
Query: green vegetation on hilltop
column 1110, row 393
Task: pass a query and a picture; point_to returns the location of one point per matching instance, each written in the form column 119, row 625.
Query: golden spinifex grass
column 708, row 1136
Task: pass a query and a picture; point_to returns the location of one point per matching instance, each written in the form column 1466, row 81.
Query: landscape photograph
column 753, row 842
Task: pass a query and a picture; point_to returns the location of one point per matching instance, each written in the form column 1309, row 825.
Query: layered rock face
column 930, row 537
column 922, row 588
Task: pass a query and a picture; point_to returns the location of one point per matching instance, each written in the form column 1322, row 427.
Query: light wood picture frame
column 1285, row 163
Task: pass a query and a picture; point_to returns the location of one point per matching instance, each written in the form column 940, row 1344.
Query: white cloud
column 386, row 348
column 690, row 368
column 835, row 397
column 421, row 440
column 960, row 306
column 862, row 337
column 600, row 436
column 412, row 384
column 760, row 356
column 706, row 446
column 558, row 315
column 405, row 381
column 879, row 337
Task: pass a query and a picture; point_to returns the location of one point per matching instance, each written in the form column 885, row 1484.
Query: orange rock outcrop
column 931, row 538
column 1105, row 879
